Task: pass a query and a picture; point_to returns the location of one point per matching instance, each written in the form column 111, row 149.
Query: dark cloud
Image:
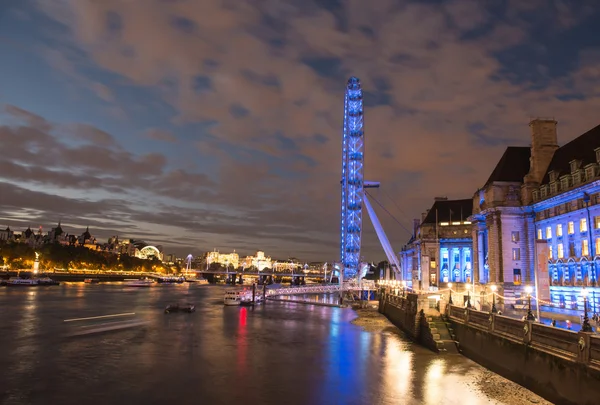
column 447, row 85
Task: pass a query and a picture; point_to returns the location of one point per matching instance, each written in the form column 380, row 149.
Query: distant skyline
column 216, row 124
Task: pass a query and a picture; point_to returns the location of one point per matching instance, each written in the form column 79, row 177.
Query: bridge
column 316, row 289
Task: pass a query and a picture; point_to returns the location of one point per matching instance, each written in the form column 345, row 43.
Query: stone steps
column 442, row 335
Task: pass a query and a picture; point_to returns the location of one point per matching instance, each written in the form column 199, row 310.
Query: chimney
column 543, row 145
column 416, row 223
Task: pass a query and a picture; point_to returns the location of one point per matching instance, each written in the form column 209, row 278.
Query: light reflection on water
column 276, row 353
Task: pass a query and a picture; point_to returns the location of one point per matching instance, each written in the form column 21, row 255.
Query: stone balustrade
column 560, row 365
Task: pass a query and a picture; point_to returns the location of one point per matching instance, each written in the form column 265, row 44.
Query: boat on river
column 31, row 282
column 241, row 297
column 233, row 297
column 91, row 280
column 189, row 308
column 144, row 282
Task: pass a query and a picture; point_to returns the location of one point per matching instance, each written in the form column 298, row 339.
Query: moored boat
column 233, row 297
column 144, row 282
column 47, row 281
column 189, row 308
column 22, row 282
column 91, row 280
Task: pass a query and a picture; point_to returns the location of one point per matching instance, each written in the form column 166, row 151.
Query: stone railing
column 595, row 351
column 581, row 347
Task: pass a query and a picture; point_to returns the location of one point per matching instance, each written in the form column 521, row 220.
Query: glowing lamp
column 449, row 285
column 528, row 289
column 494, row 287
column 584, row 292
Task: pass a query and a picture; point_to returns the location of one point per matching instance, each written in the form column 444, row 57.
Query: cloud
column 160, row 135
column 443, row 97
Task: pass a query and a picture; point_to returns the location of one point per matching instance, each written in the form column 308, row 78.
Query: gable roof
column 448, row 210
column 581, row 148
column 512, row 166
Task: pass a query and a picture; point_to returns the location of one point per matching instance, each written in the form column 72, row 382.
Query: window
column 548, row 232
column 571, row 228
column 516, row 254
column 514, row 236
column 597, row 222
column 583, row 225
column 549, row 252
column 585, row 248
column 560, row 251
column 559, row 230
column 597, row 245
column 540, row 236
column 517, row 276
column 589, row 173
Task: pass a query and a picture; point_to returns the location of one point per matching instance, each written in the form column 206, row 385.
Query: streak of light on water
column 99, row 317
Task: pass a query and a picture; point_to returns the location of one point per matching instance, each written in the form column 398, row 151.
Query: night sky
column 217, row 123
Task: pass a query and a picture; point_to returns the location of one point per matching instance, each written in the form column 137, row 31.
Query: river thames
column 278, row 353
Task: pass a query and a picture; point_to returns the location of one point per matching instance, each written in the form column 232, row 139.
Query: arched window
column 572, row 273
column 585, row 271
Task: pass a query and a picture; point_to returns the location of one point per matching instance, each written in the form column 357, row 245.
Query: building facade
column 536, row 221
column 260, row 261
column 440, row 250
column 224, row 259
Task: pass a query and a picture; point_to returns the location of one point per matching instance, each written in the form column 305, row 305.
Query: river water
column 278, row 353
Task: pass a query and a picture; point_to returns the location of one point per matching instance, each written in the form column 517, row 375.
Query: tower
column 352, row 178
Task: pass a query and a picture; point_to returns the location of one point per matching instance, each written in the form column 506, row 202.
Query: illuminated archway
column 149, row 252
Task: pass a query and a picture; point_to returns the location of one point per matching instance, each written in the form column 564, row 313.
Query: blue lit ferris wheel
column 352, row 178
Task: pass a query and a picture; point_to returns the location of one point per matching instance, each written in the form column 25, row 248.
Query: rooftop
column 449, row 211
column 512, row 166
column 580, row 148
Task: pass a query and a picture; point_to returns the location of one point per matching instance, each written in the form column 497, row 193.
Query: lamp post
column 468, row 296
column 529, row 290
column 494, row 287
column 585, row 327
column 450, row 290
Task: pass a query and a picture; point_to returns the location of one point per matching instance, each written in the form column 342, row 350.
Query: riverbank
column 496, row 388
column 371, row 320
column 506, row 391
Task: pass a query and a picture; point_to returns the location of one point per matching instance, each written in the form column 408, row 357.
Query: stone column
column 480, row 257
column 460, row 264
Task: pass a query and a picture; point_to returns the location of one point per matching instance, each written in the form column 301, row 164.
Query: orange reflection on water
column 398, row 369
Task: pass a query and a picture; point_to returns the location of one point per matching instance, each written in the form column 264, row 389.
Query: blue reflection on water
column 345, row 361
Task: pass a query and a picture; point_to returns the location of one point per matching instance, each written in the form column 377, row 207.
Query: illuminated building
column 538, row 217
column 224, row 259
column 441, row 246
column 286, row 266
column 260, row 261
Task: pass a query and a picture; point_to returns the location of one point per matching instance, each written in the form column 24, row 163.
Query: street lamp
column 494, row 287
column 468, row 287
column 585, row 327
column 529, row 290
column 450, row 289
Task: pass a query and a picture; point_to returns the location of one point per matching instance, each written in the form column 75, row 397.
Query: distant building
column 224, row 259
column 286, row 265
column 441, row 246
column 6, row 234
column 538, row 216
column 260, row 261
